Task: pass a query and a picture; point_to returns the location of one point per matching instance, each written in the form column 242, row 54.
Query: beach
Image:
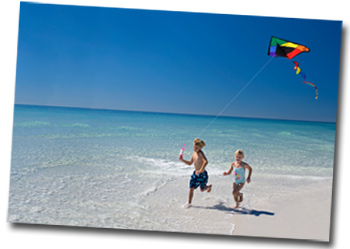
column 271, row 211
column 118, row 169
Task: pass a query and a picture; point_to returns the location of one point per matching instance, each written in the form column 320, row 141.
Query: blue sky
column 174, row 62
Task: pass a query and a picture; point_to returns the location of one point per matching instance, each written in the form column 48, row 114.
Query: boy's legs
column 193, row 185
column 190, row 196
column 206, row 188
column 203, row 180
column 196, row 181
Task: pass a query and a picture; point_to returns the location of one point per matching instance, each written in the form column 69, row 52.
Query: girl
column 239, row 167
column 200, row 175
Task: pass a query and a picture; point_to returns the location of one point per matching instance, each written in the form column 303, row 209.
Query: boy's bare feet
column 209, row 188
column 236, row 206
column 188, row 205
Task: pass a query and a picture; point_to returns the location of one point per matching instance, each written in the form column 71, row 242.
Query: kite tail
column 312, row 84
column 298, row 70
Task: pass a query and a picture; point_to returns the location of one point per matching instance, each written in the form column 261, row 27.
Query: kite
column 287, row 49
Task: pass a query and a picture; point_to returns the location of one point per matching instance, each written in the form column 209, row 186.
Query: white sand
column 282, row 207
column 273, row 206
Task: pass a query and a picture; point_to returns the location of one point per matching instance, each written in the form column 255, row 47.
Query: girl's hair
column 239, row 152
column 199, row 142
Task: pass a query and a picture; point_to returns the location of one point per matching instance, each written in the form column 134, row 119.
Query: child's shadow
column 245, row 211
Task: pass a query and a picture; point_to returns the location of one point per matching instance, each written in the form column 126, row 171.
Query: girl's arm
column 246, row 166
column 229, row 171
column 188, row 162
column 205, row 162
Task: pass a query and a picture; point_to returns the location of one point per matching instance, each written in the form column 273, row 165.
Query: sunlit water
column 86, row 167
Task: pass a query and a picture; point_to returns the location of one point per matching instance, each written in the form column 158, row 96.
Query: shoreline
column 273, row 206
column 299, row 212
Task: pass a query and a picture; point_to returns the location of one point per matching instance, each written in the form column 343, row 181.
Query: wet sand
column 280, row 207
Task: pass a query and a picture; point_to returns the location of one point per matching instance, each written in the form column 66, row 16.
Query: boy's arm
column 246, row 166
column 188, row 162
column 229, row 171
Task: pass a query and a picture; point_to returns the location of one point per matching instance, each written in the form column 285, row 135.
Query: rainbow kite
column 287, row 49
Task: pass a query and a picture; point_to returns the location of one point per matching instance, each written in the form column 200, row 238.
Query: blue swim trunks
column 199, row 180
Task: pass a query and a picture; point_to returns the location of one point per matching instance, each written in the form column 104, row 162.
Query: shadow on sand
column 245, row 211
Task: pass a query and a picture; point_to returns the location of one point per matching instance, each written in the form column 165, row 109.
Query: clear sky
column 174, row 62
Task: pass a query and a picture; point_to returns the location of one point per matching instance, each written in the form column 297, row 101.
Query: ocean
column 105, row 168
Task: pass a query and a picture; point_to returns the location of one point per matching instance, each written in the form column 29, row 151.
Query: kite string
column 233, row 99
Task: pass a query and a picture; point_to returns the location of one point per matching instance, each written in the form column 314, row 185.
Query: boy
column 200, row 175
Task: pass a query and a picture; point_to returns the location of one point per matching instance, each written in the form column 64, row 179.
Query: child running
column 200, row 175
column 239, row 167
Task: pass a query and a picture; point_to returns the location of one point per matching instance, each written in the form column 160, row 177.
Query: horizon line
column 176, row 113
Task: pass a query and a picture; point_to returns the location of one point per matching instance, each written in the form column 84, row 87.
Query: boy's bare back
column 198, row 159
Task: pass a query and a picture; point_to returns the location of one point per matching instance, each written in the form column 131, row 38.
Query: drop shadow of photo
column 241, row 211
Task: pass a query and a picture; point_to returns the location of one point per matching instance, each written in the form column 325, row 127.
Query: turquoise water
column 72, row 165
column 46, row 137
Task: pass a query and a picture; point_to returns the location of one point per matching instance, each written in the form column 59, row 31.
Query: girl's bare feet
column 236, row 206
column 240, row 197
